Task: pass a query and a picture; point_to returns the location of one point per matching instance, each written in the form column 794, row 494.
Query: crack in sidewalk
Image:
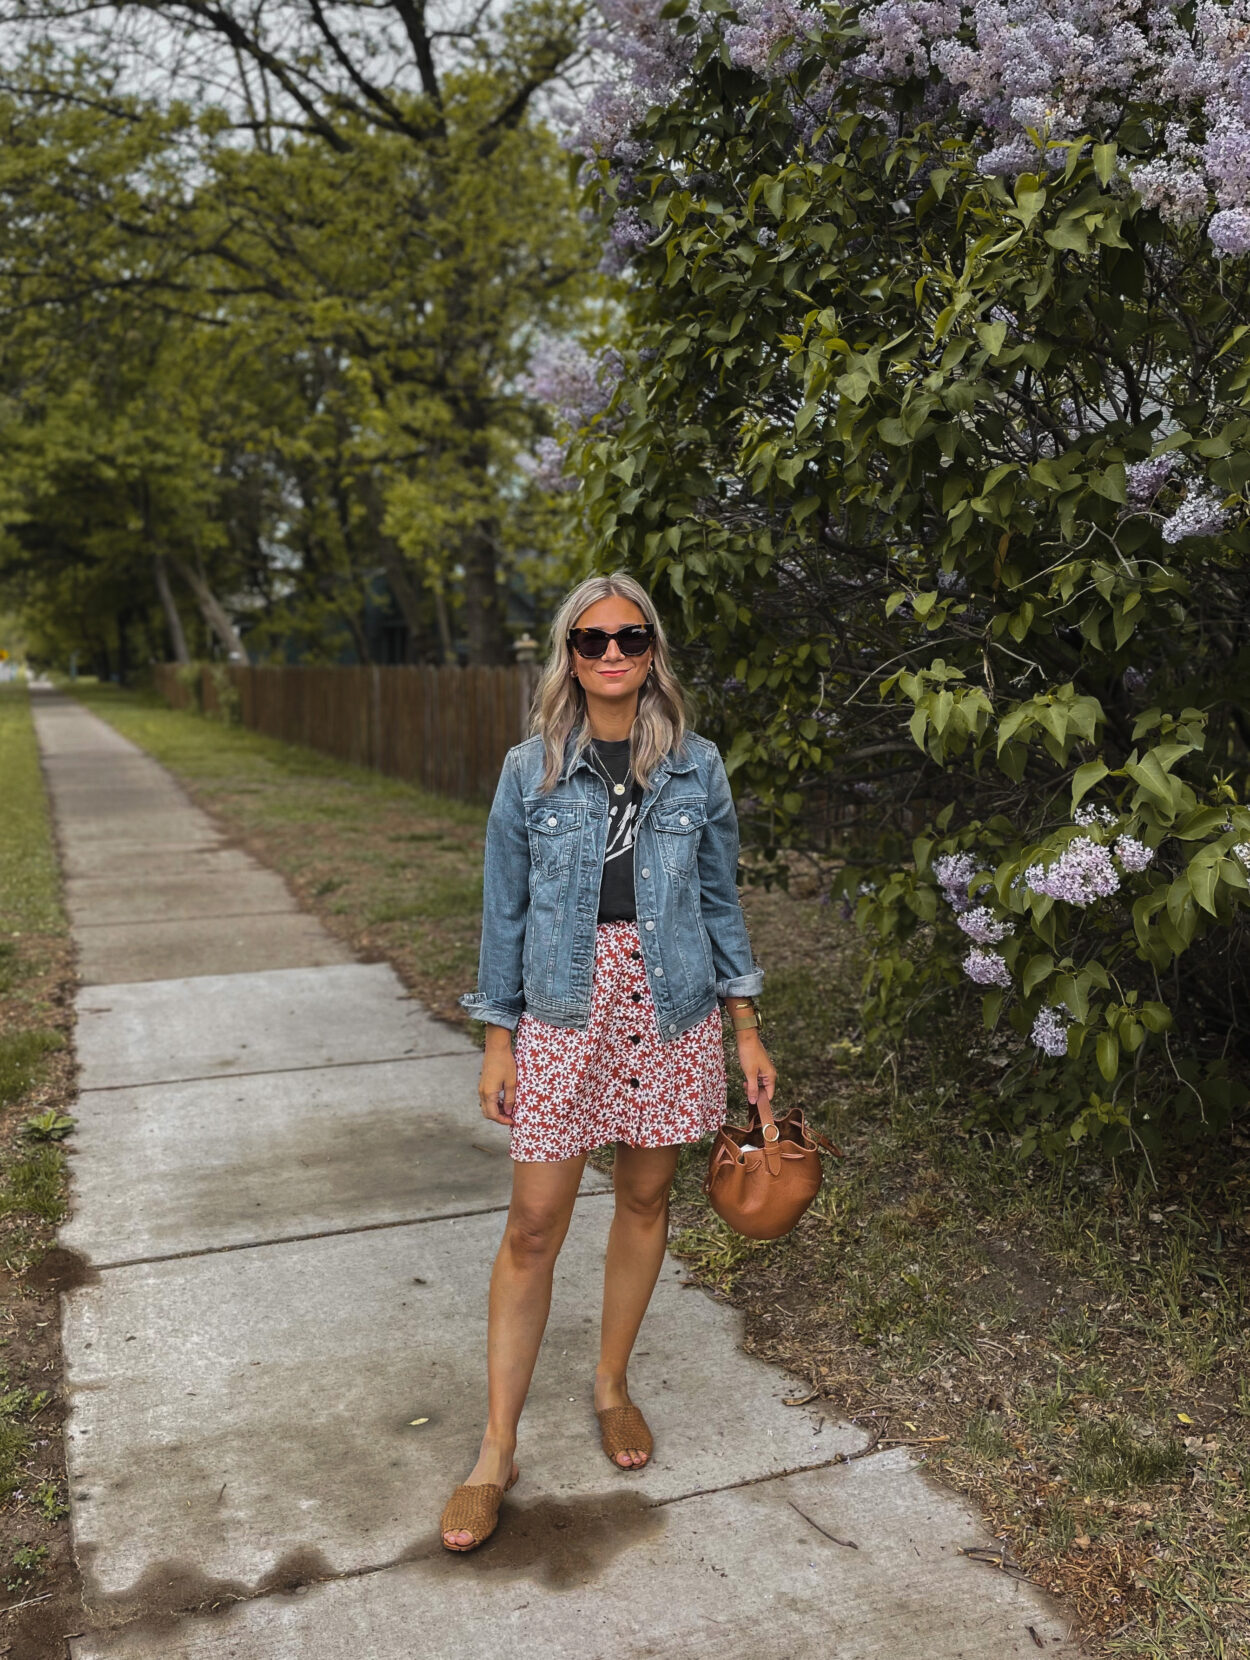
column 321, row 1233
column 269, row 1071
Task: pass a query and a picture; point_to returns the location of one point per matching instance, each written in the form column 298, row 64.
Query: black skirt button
column 633, row 1083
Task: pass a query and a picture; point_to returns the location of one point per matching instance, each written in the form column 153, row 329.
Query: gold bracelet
column 745, row 1022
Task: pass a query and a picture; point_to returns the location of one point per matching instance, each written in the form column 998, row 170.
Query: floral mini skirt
column 617, row 1080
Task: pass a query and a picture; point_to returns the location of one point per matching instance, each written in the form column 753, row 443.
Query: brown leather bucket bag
column 763, row 1190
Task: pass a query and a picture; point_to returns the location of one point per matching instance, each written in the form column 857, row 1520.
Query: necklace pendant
column 618, row 789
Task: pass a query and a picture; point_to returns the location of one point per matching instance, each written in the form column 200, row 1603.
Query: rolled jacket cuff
column 745, row 985
column 490, row 1014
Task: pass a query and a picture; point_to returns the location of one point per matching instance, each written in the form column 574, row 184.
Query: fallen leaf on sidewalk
column 413, row 1422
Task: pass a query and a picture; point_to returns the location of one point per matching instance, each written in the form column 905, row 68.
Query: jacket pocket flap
column 679, row 817
column 554, row 819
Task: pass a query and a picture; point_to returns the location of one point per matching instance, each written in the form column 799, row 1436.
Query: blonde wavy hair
column 559, row 705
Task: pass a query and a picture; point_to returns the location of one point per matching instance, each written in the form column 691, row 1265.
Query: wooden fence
column 446, row 729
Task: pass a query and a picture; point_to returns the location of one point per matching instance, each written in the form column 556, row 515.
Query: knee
column 647, row 1202
column 533, row 1238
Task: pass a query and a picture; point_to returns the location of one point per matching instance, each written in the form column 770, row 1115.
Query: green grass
column 35, row 979
column 29, row 880
column 20, row 1055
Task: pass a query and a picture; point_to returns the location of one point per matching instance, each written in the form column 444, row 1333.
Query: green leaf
column 1202, row 882
column 1085, row 778
column 1108, row 1055
column 1104, row 162
column 1036, row 970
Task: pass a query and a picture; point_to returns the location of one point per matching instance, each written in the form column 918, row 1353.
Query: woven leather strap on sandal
column 623, row 1428
column 473, row 1508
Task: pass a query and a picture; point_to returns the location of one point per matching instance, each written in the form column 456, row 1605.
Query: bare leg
column 641, row 1177
column 520, row 1299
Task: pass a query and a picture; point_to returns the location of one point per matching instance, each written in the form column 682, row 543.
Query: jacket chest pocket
column 554, row 836
column 678, row 826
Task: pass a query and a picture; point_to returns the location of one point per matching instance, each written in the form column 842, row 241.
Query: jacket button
column 650, row 926
column 553, row 821
column 684, row 819
column 659, row 973
column 672, row 1028
column 645, row 871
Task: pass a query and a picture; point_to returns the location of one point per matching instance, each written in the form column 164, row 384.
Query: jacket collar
column 675, row 761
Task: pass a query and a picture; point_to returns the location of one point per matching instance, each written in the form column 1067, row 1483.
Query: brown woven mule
column 473, row 1508
column 624, row 1429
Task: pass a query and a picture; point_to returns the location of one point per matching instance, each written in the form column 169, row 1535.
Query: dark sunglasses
column 593, row 642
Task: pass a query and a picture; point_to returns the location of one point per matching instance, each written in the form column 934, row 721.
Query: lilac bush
column 938, row 384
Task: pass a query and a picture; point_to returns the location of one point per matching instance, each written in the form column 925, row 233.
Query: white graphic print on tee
column 621, row 830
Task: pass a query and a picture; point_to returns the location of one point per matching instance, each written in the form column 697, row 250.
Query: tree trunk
column 444, row 625
column 483, row 600
column 214, row 612
column 173, row 622
column 404, row 591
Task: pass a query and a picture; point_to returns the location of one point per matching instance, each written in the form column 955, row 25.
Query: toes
column 459, row 1537
column 625, row 1459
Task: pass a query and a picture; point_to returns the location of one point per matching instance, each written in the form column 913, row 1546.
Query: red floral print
column 617, row 1080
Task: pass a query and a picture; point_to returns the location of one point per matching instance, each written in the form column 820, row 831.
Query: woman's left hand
column 758, row 1071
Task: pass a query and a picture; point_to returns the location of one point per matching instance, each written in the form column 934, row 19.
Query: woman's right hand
column 496, row 1089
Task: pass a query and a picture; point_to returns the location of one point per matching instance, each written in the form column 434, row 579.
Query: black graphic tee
column 616, row 890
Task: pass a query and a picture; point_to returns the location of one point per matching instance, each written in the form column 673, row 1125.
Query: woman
column 611, row 934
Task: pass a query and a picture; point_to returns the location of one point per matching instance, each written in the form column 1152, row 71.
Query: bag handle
column 764, row 1112
column 772, row 1150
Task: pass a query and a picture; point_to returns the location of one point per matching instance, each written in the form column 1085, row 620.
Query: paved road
column 287, row 1207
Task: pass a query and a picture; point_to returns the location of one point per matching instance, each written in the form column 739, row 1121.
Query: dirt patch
column 61, row 1270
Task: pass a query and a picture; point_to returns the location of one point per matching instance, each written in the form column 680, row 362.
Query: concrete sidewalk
column 287, row 1205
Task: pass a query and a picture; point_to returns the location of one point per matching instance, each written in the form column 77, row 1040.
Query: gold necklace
column 601, row 765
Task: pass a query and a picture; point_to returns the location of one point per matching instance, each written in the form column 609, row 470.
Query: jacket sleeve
column 500, row 998
column 737, row 973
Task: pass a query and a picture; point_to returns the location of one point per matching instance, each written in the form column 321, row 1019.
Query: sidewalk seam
column 323, row 1233
column 157, row 921
column 266, row 1071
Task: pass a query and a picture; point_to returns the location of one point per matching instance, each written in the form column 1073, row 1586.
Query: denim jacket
column 540, row 900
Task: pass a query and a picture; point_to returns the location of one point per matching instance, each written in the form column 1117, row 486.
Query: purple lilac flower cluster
column 647, row 58
column 577, row 385
column 1200, row 514
column 954, row 871
column 1012, row 68
column 1088, row 814
column 1082, row 873
column 1242, row 850
column 1135, row 856
column 1147, row 478
column 987, row 968
column 762, row 27
column 1018, row 69
column 546, row 465
column 1050, row 1032
column 980, row 924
